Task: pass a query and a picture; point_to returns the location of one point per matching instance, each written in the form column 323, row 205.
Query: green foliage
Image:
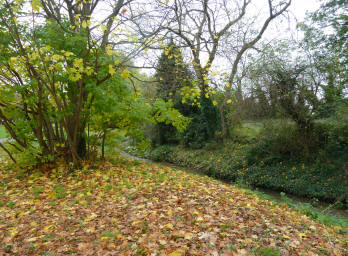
column 59, row 192
column 64, row 86
column 205, row 121
column 172, row 75
column 3, row 133
column 175, row 84
column 280, row 142
column 283, row 142
column 316, row 180
column 161, row 153
column 325, row 40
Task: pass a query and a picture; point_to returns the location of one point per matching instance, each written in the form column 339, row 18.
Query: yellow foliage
column 111, row 70
column 125, row 74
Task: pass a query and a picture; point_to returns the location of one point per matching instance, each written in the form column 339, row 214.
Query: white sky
column 299, row 7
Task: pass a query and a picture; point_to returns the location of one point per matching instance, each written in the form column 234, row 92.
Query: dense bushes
column 161, row 153
column 283, row 142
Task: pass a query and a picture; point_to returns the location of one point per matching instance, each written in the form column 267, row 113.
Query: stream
column 274, row 195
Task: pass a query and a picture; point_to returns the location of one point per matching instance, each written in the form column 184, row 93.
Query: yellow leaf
column 134, row 223
column 33, row 223
column 111, row 70
column 68, row 54
column 13, row 232
column 286, row 237
column 49, row 227
column 162, row 242
column 90, row 230
column 176, row 253
column 302, row 235
column 103, row 27
column 228, row 84
column 33, row 239
column 229, row 101
column 169, row 226
column 20, row 214
column 188, row 236
column 52, row 195
column 214, row 102
column 84, row 24
column 36, row 5
column 93, row 215
column 125, row 74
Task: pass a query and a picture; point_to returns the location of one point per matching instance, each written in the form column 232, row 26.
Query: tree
column 245, row 42
column 197, row 27
column 202, row 26
column 54, row 67
column 325, row 44
column 172, row 75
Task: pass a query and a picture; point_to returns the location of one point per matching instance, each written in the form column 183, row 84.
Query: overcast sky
column 299, row 7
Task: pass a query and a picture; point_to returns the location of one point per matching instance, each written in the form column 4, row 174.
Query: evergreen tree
column 173, row 75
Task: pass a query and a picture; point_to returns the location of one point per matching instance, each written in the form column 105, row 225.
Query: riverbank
column 317, row 182
column 319, row 211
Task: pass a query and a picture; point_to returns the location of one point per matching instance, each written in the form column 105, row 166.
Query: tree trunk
column 224, row 129
column 103, row 145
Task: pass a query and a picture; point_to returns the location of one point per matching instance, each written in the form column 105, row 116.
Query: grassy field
column 124, row 207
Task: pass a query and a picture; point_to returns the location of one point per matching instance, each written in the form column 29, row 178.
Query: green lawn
column 3, row 133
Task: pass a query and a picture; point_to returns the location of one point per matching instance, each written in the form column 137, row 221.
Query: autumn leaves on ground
column 131, row 208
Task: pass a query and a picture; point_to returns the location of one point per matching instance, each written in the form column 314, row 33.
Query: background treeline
column 287, row 119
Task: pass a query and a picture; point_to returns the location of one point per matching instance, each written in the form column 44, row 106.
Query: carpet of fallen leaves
column 132, row 208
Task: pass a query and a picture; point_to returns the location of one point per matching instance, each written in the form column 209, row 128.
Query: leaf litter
column 132, row 208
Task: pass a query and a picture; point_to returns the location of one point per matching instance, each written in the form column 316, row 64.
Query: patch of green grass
column 262, row 251
column 37, row 191
column 3, row 132
column 59, row 192
column 109, row 234
column 11, row 204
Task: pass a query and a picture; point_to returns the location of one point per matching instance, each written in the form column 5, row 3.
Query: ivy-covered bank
column 313, row 181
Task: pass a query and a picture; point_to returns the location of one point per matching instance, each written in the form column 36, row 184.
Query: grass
column 3, row 132
column 150, row 210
